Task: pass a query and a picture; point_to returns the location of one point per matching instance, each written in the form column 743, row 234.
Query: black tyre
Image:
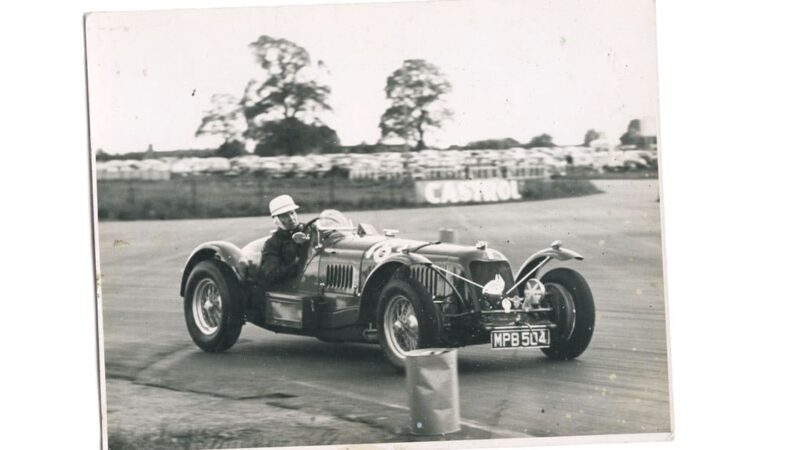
column 407, row 319
column 213, row 307
column 567, row 292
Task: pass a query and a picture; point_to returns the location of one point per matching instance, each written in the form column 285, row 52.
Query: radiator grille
column 339, row 276
column 434, row 283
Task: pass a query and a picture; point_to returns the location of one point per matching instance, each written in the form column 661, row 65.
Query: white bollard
column 432, row 385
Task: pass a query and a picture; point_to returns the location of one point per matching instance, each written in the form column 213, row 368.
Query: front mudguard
column 225, row 252
column 555, row 251
column 379, row 276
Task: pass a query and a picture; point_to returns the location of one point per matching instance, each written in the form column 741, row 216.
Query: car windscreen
column 332, row 219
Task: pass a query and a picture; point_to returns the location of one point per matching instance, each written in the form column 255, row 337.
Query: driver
column 284, row 253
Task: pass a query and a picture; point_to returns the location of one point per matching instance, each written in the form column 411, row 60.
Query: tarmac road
column 160, row 384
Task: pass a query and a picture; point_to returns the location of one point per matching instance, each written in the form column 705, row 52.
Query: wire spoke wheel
column 207, row 306
column 407, row 319
column 401, row 325
column 213, row 306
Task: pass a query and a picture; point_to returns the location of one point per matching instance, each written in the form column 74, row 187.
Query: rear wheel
column 212, row 307
column 570, row 298
column 407, row 320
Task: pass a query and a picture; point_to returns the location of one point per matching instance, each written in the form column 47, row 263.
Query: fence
column 375, row 174
column 527, row 171
column 133, row 175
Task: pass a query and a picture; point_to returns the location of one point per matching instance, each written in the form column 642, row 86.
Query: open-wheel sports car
column 359, row 285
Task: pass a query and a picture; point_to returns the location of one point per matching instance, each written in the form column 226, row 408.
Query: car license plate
column 523, row 337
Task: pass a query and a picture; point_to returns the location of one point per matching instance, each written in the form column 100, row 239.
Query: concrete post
column 432, row 386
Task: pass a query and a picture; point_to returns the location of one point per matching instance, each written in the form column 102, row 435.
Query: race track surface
column 619, row 386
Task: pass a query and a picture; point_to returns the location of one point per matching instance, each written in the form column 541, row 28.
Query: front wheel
column 212, row 307
column 407, row 320
column 570, row 298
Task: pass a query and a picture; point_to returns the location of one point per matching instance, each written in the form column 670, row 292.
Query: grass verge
column 208, row 196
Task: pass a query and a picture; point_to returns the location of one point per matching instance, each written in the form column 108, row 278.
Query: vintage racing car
column 359, row 285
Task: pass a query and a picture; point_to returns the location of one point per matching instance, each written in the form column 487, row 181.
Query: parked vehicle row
column 425, row 164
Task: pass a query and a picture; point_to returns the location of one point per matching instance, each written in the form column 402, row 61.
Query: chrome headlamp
column 493, row 290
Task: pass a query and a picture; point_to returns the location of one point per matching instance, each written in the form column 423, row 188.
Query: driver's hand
column 300, row 237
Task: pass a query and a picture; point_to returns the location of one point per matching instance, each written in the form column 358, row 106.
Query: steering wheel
column 312, row 222
column 312, row 231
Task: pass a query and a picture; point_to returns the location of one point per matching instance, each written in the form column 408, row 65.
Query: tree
column 590, row 136
column 289, row 89
column 543, row 140
column 282, row 110
column 505, row 143
column 633, row 135
column 415, row 92
column 293, row 137
column 223, row 119
column 231, row 149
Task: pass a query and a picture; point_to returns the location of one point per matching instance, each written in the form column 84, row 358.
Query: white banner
column 467, row 191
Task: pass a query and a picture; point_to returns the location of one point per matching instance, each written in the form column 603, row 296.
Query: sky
column 518, row 68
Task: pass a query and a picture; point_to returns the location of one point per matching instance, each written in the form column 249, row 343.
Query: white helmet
column 281, row 204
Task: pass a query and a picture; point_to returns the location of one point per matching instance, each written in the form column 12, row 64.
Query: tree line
column 281, row 111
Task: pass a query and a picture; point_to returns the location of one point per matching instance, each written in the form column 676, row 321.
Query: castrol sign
column 442, row 192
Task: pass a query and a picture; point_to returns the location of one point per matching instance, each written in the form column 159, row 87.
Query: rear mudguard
column 555, row 251
column 223, row 251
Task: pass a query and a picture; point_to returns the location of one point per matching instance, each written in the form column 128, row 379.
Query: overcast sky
column 518, row 68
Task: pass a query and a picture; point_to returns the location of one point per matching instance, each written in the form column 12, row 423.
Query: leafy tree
column 415, row 91
column 231, row 149
column 493, row 144
column 634, row 134
column 543, row 140
column 101, row 155
column 289, row 89
column 282, row 109
column 590, row 136
column 293, row 137
column 223, row 119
